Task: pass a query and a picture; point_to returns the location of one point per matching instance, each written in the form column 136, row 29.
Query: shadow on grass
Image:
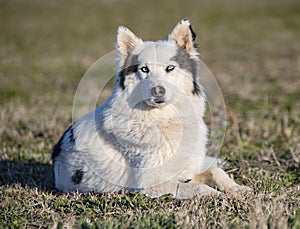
column 30, row 174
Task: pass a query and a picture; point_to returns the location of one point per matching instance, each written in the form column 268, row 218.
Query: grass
column 251, row 47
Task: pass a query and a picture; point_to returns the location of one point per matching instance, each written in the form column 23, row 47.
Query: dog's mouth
column 156, row 102
column 151, row 103
column 159, row 101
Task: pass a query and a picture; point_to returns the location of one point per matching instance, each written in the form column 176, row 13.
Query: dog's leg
column 180, row 190
column 217, row 178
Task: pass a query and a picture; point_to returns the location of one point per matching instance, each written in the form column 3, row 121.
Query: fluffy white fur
column 133, row 142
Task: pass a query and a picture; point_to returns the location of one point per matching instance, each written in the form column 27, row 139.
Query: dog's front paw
column 239, row 191
column 151, row 193
column 241, row 188
column 191, row 190
column 180, row 190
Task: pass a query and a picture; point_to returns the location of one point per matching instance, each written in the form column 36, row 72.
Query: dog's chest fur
column 145, row 138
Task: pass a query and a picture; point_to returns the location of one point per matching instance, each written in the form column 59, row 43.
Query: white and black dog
column 149, row 136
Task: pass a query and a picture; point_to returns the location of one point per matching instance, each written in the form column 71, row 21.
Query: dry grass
column 253, row 50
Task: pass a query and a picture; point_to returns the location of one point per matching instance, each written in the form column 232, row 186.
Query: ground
column 253, row 50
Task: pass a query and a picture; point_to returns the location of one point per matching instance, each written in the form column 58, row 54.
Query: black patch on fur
column 187, row 181
column 71, row 137
column 186, row 62
column 197, row 89
column 57, row 147
column 77, row 176
column 193, row 33
column 130, row 66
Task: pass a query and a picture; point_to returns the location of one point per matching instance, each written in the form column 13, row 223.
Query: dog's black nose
column 158, row 91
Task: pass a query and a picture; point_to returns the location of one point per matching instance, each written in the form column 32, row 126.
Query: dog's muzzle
column 158, row 93
column 154, row 94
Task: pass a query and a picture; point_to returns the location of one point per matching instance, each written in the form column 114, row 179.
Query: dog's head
column 155, row 73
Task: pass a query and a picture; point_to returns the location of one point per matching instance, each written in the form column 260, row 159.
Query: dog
column 149, row 136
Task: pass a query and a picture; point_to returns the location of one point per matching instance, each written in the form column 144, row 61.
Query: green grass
column 251, row 47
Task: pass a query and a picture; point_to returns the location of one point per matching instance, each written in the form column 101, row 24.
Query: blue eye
column 170, row 68
column 145, row 69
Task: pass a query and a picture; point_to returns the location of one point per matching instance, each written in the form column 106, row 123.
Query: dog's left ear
column 184, row 36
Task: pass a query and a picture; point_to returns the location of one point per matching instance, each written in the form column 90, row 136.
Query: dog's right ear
column 126, row 41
